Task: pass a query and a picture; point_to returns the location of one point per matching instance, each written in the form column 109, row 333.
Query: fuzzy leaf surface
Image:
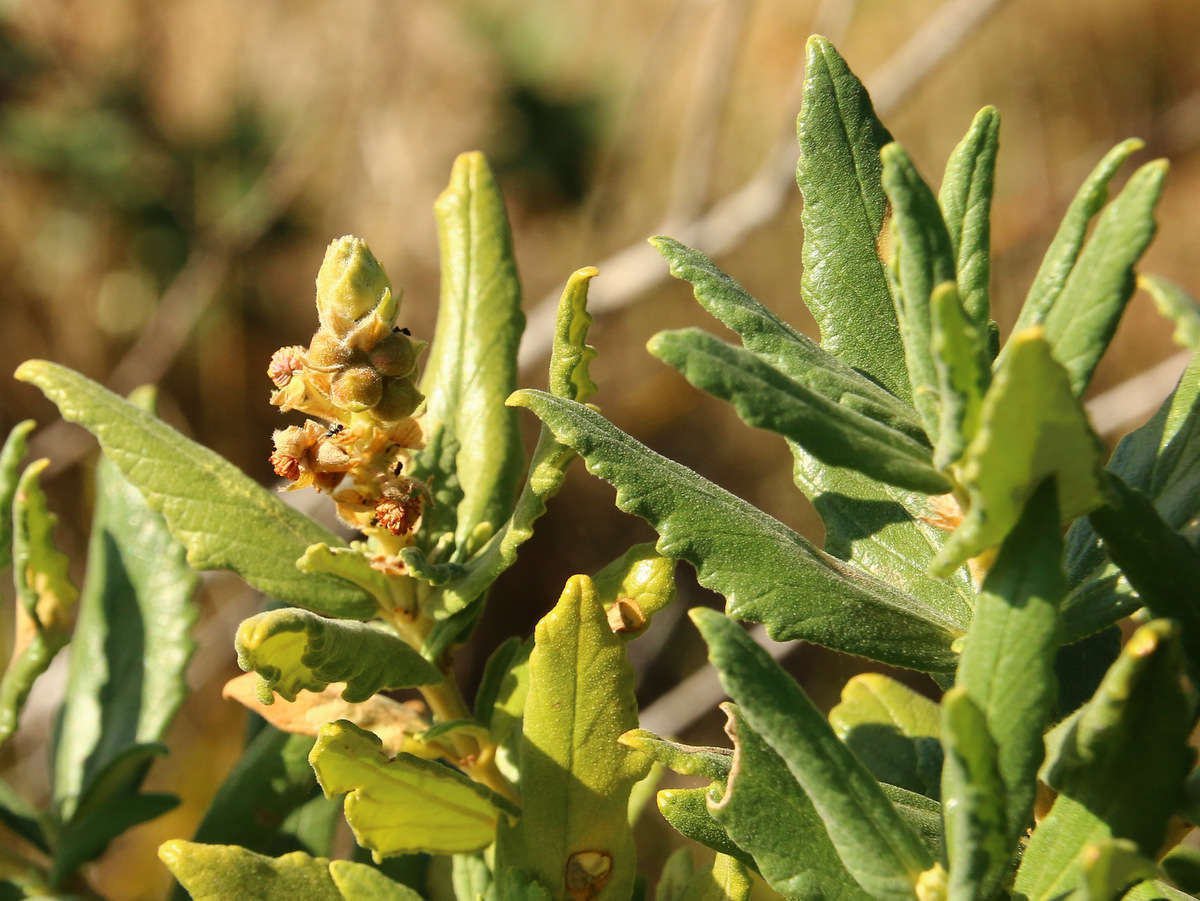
column 472, row 363
column 1085, row 314
column 686, row 809
column 1119, row 764
column 878, row 848
column 768, row 399
column 220, row 872
column 966, row 202
column 639, row 583
column 766, row 571
column 1063, row 252
column 1031, row 427
column 1007, row 665
column 767, row 813
column 404, row 805
column 570, row 357
column 293, row 649
column 11, row 456
column 224, row 519
column 893, row 730
column 782, row 347
column 711, row 763
column 845, row 217
column 576, row 777
column 130, row 649
column 921, row 259
column 978, row 845
column 963, row 373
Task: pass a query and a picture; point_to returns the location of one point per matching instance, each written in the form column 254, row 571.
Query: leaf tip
column 32, row 371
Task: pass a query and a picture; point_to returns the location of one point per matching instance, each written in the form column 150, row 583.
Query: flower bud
column 327, row 352
column 356, row 389
column 396, row 354
column 351, row 285
column 400, row 398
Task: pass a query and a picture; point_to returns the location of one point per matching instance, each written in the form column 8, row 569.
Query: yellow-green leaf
column 634, row 587
column 221, row 872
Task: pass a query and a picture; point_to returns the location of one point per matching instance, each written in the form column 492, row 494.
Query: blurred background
column 170, row 173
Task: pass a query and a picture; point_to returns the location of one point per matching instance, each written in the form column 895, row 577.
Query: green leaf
column 45, row 596
column 893, row 730
column 406, row 804
column 921, row 813
column 1111, row 866
column 270, row 781
column 131, row 646
column 221, row 872
column 10, row 461
column 22, row 817
column 1177, row 305
column 978, row 844
column 966, row 202
column 1063, row 253
column 573, row 832
column 1119, row 764
column 963, row 369
column 727, row 880
column 634, row 587
column 921, row 259
column 498, row 669
column 569, row 359
column 359, row 882
column 711, row 763
column 686, row 809
column 108, row 805
column 767, row 813
column 1159, row 563
column 875, row 844
column 1155, row 891
column 768, row 399
column 1007, row 665
column 351, row 564
column 472, row 363
column 502, row 711
column 293, row 649
column 223, row 518
column 782, row 347
column 1031, row 427
column 1084, row 316
column 1161, row 459
column 471, row 877
column 844, row 217
column 766, row 572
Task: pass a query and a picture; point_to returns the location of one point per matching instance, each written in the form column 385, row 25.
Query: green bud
column 351, row 285
column 396, row 354
column 400, row 398
column 356, row 389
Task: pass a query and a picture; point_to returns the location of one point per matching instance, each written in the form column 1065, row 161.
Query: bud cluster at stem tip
column 356, row 379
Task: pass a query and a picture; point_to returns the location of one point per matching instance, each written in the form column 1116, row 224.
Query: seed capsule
column 357, row 389
column 400, row 398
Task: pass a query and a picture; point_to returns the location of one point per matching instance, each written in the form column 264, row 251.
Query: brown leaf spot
column 586, row 873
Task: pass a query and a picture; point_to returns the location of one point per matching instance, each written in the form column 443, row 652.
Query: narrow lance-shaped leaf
column 1031, row 427
column 922, row 258
column 131, row 645
column 877, row 847
column 223, row 518
column 844, row 217
column 1085, row 314
column 293, row 649
column 570, row 357
column 404, row 805
column 966, row 202
column 573, row 834
column 1161, row 460
column 686, row 809
column 472, row 363
column 766, row 811
column 977, row 842
column 768, row 399
column 963, row 374
column 1063, row 252
column 1118, row 763
column 10, row 462
column 1007, row 665
column 1176, row 305
column 766, row 572
column 775, row 342
column 45, row 596
column 893, row 730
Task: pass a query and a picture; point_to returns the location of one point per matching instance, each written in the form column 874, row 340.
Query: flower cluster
column 356, row 382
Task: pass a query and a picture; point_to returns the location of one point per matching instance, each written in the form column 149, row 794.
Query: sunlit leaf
column 10, row 462
column 1176, row 305
column 221, row 872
